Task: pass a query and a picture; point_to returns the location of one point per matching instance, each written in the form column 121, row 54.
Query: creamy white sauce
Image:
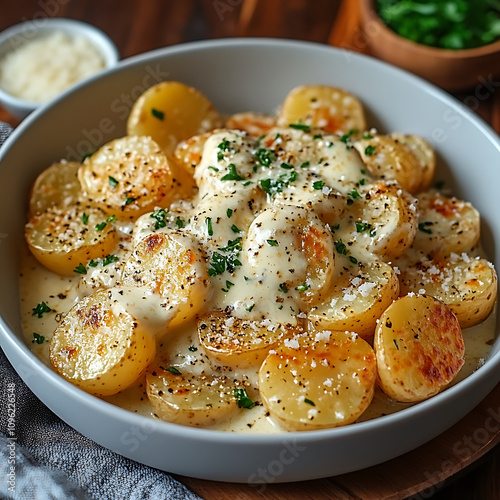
column 234, row 217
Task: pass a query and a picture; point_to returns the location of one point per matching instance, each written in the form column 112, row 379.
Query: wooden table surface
column 138, row 26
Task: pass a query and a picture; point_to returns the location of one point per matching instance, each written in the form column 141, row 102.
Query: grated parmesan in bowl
column 39, row 61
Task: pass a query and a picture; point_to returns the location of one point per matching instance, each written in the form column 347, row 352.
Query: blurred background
column 139, row 26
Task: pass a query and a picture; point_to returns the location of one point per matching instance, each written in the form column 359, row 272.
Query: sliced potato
column 468, row 285
column 424, row 154
column 331, row 109
column 100, row 347
column 446, row 225
column 127, row 177
column 386, row 221
column 255, row 124
column 190, row 399
column 57, row 185
column 358, row 297
column 324, row 380
column 188, row 153
column 172, row 264
column 62, row 239
column 419, row 348
column 391, row 160
column 293, row 248
column 239, row 342
column 171, row 112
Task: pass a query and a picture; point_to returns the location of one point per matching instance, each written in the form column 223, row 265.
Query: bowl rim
column 210, row 435
column 371, row 15
column 38, row 28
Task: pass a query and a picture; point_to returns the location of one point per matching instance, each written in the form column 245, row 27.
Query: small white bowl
column 14, row 37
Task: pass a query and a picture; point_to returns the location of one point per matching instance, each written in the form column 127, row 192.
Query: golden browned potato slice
column 386, row 221
column 65, row 239
column 171, row 112
column 445, row 225
column 391, row 160
column 188, row 153
column 57, row 185
column 127, row 177
column 359, row 296
column 424, row 154
column 100, row 347
column 468, row 285
column 328, row 383
column 419, row 348
column 255, row 124
column 239, row 342
column 173, row 265
column 190, row 399
column 292, row 234
column 331, row 109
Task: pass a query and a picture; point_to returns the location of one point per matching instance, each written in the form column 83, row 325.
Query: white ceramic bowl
column 239, row 75
column 15, row 36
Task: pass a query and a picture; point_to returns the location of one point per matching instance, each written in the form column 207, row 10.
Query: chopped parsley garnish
column 157, row 113
column 286, row 166
column 179, row 222
column 243, row 400
column 373, row 233
column 235, row 229
column 229, row 212
column 215, row 169
column 223, row 146
column 93, row 263
column 300, row 126
column 40, row 309
column 305, row 164
column 265, row 156
column 367, row 135
column 112, row 181
column 340, row 247
column 309, row 402
column 250, row 307
column 86, row 155
column 229, row 284
column 273, row 186
column 354, row 194
column 346, row 137
column 128, row 201
column 210, row 229
column 334, row 228
column 232, row 175
column 318, row 184
column 100, row 226
column 423, row 227
column 39, row 339
column 353, row 259
column 192, row 348
column 369, row 150
column 302, row 288
column 85, row 218
column 227, row 261
column 362, row 182
column 283, row 288
column 109, row 259
column 317, row 136
column 362, row 226
column 159, row 216
column 173, row 369
column 272, row 243
column 80, row 269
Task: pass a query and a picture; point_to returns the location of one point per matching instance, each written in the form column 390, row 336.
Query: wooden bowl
column 450, row 69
